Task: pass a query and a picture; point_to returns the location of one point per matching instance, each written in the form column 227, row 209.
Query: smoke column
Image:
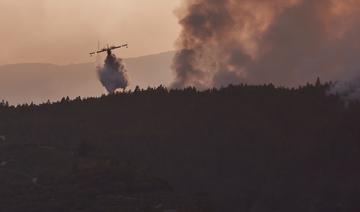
column 285, row 42
column 113, row 74
column 347, row 89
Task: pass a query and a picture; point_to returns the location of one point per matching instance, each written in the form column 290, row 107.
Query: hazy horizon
column 218, row 42
column 49, row 31
column 39, row 82
column 92, row 61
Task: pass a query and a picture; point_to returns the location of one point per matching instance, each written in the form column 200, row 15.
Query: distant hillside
column 21, row 83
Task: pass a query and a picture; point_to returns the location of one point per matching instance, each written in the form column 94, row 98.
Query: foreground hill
column 20, row 83
column 241, row 148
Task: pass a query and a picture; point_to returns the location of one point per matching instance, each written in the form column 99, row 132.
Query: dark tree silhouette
column 238, row 148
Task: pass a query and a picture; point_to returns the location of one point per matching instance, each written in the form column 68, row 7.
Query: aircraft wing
column 97, row 52
column 117, row 47
column 102, row 50
column 109, row 48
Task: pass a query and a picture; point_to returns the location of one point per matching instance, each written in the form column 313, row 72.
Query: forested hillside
column 239, row 148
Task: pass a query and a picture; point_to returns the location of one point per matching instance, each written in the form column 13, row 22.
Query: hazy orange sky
column 62, row 32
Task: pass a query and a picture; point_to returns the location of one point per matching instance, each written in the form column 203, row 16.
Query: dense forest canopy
column 238, row 148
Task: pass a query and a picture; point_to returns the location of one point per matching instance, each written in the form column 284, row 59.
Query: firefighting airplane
column 108, row 49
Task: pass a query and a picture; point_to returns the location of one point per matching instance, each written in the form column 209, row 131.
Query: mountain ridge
column 39, row 82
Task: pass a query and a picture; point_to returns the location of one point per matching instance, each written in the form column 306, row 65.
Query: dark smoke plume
column 285, row 42
column 113, row 75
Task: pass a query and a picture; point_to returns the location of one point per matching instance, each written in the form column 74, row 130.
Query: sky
column 64, row 32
